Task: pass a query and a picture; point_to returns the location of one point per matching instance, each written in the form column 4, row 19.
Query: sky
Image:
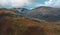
column 29, row 4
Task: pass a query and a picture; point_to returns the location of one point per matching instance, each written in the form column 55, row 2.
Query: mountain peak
column 43, row 7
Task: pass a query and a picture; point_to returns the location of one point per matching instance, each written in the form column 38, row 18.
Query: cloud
column 15, row 3
column 49, row 3
column 52, row 3
column 30, row 3
column 57, row 3
column 3, row 3
column 19, row 3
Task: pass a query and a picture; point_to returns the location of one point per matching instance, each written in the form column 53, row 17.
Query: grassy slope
column 17, row 25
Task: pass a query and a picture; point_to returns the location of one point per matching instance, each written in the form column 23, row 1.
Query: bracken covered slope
column 13, row 24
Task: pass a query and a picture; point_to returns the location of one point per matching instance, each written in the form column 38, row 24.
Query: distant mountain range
column 20, row 11
column 42, row 12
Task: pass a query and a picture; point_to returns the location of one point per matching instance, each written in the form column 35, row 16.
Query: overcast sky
column 29, row 3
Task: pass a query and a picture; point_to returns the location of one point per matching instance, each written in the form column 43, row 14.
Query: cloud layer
column 14, row 3
column 19, row 3
column 31, row 3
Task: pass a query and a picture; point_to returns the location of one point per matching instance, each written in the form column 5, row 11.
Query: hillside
column 45, row 13
column 13, row 24
column 20, row 11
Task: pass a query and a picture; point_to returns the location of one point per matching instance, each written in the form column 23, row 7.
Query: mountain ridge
column 45, row 13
